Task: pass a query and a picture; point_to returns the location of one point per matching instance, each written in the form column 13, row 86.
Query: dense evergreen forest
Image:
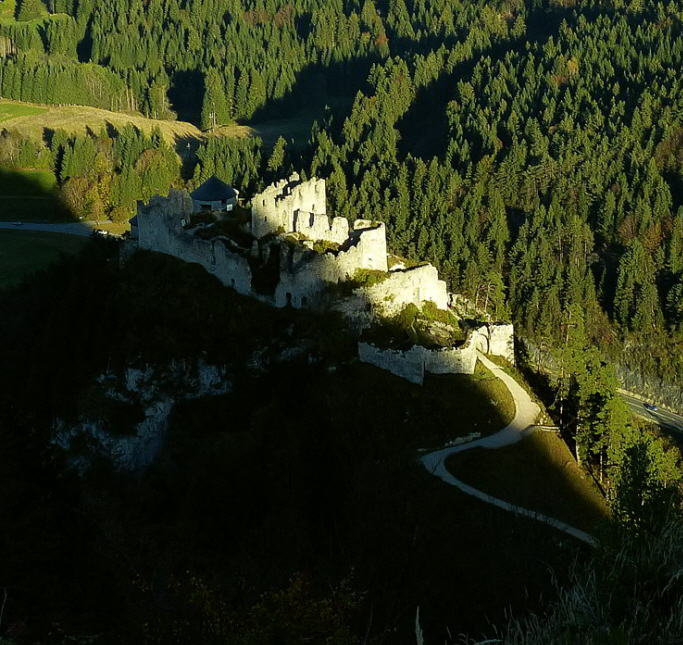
column 531, row 150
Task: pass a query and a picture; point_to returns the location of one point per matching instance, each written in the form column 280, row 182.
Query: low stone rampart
column 408, row 364
column 450, row 360
column 446, row 360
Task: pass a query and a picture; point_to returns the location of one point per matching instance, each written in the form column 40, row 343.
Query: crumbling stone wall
column 408, row 365
column 450, row 360
column 160, row 228
column 413, row 363
column 306, row 275
column 276, row 206
column 502, row 341
column 416, row 286
column 320, row 227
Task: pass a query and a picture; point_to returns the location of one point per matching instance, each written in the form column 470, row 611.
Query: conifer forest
column 531, row 150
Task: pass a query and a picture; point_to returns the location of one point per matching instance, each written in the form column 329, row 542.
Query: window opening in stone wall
column 289, row 299
column 232, row 283
column 371, row 262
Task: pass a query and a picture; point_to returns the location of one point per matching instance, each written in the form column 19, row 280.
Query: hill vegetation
column 529, row 149
column 318, row 481
column 495, row 140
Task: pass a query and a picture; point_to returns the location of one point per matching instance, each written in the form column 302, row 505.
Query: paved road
column 664, row 418
column 526, row 412
column 76, row 228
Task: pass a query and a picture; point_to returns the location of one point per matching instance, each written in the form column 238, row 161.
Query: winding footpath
column 526, row 412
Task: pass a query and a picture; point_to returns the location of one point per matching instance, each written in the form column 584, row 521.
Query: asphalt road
column 663, row 418
column 76, row 228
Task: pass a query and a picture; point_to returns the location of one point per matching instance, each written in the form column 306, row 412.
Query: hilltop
column 31, row 119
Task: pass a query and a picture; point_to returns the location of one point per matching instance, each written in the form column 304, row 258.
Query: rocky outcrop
column 155, row 390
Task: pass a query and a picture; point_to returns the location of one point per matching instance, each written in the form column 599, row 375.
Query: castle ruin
column 288, row 219
column 291, row 253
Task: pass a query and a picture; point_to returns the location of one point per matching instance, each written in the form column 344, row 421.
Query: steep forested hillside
column 533, row 150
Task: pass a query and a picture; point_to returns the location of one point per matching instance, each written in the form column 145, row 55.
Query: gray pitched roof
column 214, row 190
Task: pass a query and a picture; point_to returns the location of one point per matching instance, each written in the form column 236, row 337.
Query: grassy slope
column 338, row 488
column 31, row 120
column 15, row 110
column 538, row 473
column 77, row 119
column 30, row 196
column 31, row 183
column 309, row 468
column 25, row 252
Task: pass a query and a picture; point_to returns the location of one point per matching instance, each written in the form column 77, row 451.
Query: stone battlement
column 283, row 270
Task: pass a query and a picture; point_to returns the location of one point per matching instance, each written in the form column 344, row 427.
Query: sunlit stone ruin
column 287, row 251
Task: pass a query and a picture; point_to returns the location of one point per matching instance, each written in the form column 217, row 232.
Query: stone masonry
column 413, row 363
column 294, row 208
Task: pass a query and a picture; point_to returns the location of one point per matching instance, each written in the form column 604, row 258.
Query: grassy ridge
column 31, row 120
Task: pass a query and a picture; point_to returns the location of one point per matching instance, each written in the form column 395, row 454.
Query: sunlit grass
column 13, row 110
column 538, row 473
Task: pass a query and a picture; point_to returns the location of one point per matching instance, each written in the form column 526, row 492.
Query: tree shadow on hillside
column 31, row 196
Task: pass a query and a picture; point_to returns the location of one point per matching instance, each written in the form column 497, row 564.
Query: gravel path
column 526, row 412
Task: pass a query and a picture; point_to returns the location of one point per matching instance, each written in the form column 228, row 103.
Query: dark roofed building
column 214, row 195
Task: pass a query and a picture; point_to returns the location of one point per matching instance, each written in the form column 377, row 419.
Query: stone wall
column 461, row 360
column 502, row 341
column 320, row 227
column 160, row 229
column 413, row 363
column 407, row 286
column 274, row 208
column 305, row 275
column 408, row 365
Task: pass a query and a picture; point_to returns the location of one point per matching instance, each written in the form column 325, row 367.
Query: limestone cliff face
column 153, row 391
